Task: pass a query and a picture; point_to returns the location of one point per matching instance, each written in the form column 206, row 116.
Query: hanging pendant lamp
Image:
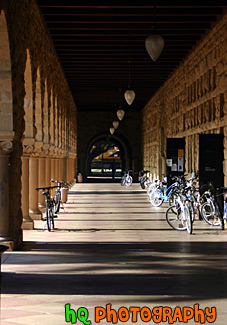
column 120, row 114
column 129, row 96
column 154, row 43
column 112, row 129
column 115, row 124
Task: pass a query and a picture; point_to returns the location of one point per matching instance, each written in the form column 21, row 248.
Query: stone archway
column 121, row 142
column 6, row 127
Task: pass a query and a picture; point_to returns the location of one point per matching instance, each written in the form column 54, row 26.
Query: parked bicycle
column 179, row 215
column 210, row 210
column 182, row 213
column 126, row 179
column 49, row 215
column 163, row 193
column 143, row 178
column 57, row 198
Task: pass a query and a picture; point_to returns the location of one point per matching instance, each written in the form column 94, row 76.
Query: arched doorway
column 108, row 157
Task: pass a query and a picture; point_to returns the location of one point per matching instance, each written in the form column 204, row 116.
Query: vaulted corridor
column 111, row 246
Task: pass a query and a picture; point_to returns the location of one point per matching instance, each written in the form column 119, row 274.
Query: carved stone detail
column 28, row 149
column 6, row 147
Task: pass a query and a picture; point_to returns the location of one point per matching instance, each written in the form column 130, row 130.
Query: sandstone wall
column 191, row 102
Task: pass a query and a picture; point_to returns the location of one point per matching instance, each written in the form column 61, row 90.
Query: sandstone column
column 34, row 212
column 48, row 171
column 41, row 182
column 28, row 223
column 57, row 169
column 61, row 169
column 53, row 169
column 4, row 198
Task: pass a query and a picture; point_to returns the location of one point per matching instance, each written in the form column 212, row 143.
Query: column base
column 42, row 207
column 7, row 241
column 35, row 214
column 28, row 223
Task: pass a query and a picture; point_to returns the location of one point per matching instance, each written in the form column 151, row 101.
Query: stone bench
column 2, row 250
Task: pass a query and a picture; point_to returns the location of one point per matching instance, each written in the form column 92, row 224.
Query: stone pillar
column 4, row 199
column 48, row 172
column 41, row 182
column 34, row 212
column 68, row 170
column 57, row 169
column 28, row 223
column 53, row 169
column 61, row 169
column 72, row 170
column 64, row 169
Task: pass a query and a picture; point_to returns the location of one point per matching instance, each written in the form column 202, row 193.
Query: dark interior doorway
column 175, row 163
column 211, row 156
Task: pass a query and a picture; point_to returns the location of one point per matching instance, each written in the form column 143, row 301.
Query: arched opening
column 105, row 159
column 108, row 157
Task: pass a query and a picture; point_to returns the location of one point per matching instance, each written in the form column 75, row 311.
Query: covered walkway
column 111, row 246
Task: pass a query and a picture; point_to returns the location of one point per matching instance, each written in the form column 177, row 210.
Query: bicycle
column 49, row 218
column 143, row 178
column 126, row 179
column 179, row 216
column 210, row 210
column 163, row 193
column 57, row 198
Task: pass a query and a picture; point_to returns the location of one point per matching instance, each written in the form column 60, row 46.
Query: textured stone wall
column 192, row 101
column 44, row 112
column 92, row 125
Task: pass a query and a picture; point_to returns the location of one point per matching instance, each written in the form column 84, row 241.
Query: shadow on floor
column 196, row 270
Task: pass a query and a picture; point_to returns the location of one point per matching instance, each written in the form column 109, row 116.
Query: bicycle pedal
column 44, row 219
column 55, row 216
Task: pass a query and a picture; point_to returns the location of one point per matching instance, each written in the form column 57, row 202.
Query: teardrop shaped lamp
column 120, row 114
column 154, row 44
column 115, row 124
column 112, row 130
column 129, row 96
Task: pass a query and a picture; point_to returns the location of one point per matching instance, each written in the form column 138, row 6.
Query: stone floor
column 110, row 246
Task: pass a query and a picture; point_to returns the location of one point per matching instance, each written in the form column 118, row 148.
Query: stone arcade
column 39, row 120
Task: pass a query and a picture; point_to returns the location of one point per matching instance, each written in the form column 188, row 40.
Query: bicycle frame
column 167, row 192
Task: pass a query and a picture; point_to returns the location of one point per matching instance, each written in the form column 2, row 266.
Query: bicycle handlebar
column 45, row 188
column 58, row 182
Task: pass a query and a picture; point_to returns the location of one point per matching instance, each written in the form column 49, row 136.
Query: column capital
column 28, row 149
column 6, row 147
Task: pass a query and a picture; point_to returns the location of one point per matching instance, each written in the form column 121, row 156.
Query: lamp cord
column 155, row 20
column 129, row 61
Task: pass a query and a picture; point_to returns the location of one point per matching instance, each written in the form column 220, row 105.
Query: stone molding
column 6, row 147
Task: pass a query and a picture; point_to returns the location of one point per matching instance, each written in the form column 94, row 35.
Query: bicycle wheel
column 122, row 181
column 187, row 218
column 129, row 181
column 174, row 217
column 50, row 220
column 156, row 197
column 144, row 182
column 57, row 202
column 211, row 214
column 142, row 185
column 172, row 199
